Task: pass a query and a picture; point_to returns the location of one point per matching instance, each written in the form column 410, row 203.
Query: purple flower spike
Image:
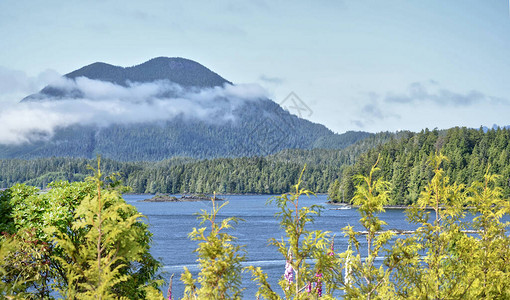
column 318, row 275
column 309, row 287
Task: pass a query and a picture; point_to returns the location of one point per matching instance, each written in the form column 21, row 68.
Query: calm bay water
column 170, row 223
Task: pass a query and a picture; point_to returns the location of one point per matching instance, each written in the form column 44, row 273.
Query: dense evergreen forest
column 270, row 174
column 404, row 161
column 223, row 175
column 258, row 130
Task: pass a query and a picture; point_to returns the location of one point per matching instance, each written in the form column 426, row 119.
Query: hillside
column 404, row 161
column 220, row 122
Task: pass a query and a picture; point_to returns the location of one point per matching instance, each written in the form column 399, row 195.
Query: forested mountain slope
column 208, row 117
column 404, row 161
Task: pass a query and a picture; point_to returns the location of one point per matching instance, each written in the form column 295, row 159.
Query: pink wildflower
column 309, row 287
column 318, row 287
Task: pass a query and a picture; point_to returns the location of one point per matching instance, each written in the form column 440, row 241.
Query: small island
column 183, row 198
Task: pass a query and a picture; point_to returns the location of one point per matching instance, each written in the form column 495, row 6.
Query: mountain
column 229, row 127
column 184, row 72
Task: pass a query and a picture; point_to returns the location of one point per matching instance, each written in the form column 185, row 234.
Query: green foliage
column 83, row 240
column 266, row 175
column 363, row 279
column 299, row 247
column 54, row 235
column 25, row 266
column 491, row 250
column 219, row 259
column 335, row 193
column 403, row 161
column 435, row 261
column 448, row 257
column 273, row 174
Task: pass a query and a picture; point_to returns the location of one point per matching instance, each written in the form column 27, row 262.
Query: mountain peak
column 185, row 72
column 182, row 71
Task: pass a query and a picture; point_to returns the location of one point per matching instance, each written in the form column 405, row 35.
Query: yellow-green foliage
column 435, row 261
column 449, row 257
column 491, row 246
column 219, row 259
column 94, row 266
column 79, row 239
column 363, row 279
column 298, row 249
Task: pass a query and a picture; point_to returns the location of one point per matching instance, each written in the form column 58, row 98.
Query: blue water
column 170, row 223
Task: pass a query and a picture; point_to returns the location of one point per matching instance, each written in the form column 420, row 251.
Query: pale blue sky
column 359, row 65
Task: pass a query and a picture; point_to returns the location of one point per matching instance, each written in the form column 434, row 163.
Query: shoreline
column 217, row 194
column 182, row 198
column 403, row 207
column 356, row 206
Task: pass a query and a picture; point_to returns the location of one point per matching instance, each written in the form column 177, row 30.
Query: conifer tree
column 96, row 267
column 491, row 272
column 362, row 278
column 435, row 261
column 219, row 259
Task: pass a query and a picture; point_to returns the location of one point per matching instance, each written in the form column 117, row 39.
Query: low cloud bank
column 103, row 103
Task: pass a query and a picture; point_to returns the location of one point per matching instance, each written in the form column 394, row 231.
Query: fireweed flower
column 332, row 249
column 318, row 286
column 309, row 287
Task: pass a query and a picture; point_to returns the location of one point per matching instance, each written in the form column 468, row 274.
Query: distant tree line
column 270, row 174
column 178, row 175
column 403, row 161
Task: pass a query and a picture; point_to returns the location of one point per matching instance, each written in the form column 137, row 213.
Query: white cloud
column 104, row 103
